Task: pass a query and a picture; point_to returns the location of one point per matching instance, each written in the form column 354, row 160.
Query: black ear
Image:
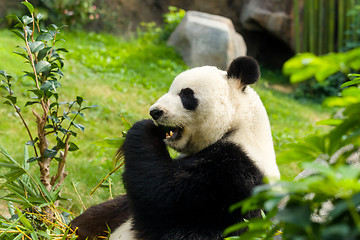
column 244, row 68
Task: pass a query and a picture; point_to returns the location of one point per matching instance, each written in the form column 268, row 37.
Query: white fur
column 209, row 121
column 223, row 106
column 124, row 232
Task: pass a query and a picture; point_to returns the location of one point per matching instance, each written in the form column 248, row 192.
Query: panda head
column 200, row 107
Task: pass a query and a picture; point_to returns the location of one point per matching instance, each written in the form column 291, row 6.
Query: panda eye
column 188, row 99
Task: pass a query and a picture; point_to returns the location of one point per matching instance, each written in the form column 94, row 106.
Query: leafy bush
column 324, row 201
column 54, row 122
column 151, row 32
column 308, row 66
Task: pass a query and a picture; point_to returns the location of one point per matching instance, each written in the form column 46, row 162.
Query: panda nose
column 156, row 113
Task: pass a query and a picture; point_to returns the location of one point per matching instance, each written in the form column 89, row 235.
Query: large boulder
column 206, row 39
column 272, row 16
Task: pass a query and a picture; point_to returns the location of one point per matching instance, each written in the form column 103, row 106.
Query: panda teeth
column 170, row 134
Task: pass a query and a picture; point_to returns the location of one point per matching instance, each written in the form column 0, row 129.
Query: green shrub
column 73, row 13
column 37, row 213
column 150, row 32
column 323, row 75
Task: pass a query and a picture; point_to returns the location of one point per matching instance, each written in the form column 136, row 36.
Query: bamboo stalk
column 297, row 26
column 357, row 24
column 326, row 26
column 312, row 33
column 321, row 24
column 331, row 25
column 340, row 30
column 305, row 27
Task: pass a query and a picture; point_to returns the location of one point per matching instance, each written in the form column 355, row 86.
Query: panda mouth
column 172, row 133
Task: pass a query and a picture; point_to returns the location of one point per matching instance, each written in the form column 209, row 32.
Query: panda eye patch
column 188, row 99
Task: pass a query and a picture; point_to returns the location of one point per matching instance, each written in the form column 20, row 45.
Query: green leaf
column 42, row 66
column 11, row 98
column 50, row 153
column 14, row 17
column 349, row 83
column 8, row 103
column 26, row 20
column 126, row 124
column 28, row 103
column 19, row 33
column 73, row 147
column 4, row 74
column 110, row 142
column 39, row 16
column 30, row 74
column 50, row 85
column 29, row 6
column 37, row 92
column 32, row 143
column 78, row 125
column 59, row 143
column 42, row 53
column 60, row 73
column 23, row 219
column 62, row 50
column 52, row 27
column 44, row 37
column 33, row 159
column 79, row 100
column 36, row 46
column 330, row 122
column 88, row 107
column 297, row 215
column 24, row 55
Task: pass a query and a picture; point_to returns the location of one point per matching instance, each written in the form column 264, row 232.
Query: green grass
column 125, row 78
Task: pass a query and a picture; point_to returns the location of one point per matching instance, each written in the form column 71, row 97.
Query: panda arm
column 153, row 179
column 148, row 165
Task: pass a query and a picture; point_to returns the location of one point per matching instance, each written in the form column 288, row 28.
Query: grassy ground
column 125, row 78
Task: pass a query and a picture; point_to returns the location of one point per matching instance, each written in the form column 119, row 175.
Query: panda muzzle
column 172, row 133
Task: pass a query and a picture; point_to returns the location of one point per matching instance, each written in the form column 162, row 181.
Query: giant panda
column 220, row 127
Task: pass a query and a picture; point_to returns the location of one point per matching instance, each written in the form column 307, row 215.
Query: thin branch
column 72, row 121
column 31, row 58
column 27, row 129
column 23, row 121
column 82, row 203
column 121, row 164
column 62, row 162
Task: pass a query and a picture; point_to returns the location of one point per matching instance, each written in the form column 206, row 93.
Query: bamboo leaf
column 110, row 142
column 7, row 155
column 23, row 219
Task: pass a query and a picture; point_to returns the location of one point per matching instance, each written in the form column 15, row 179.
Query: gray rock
column 273, row 16
column 206, row 39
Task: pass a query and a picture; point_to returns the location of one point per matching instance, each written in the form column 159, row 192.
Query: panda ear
column 246, row 69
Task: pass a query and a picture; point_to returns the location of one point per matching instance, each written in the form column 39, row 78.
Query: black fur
column 185, row 198
column 188, row 99
column 244, row 68
column 95, row 221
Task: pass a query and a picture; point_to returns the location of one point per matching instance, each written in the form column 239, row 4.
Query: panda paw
column 147, row 131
